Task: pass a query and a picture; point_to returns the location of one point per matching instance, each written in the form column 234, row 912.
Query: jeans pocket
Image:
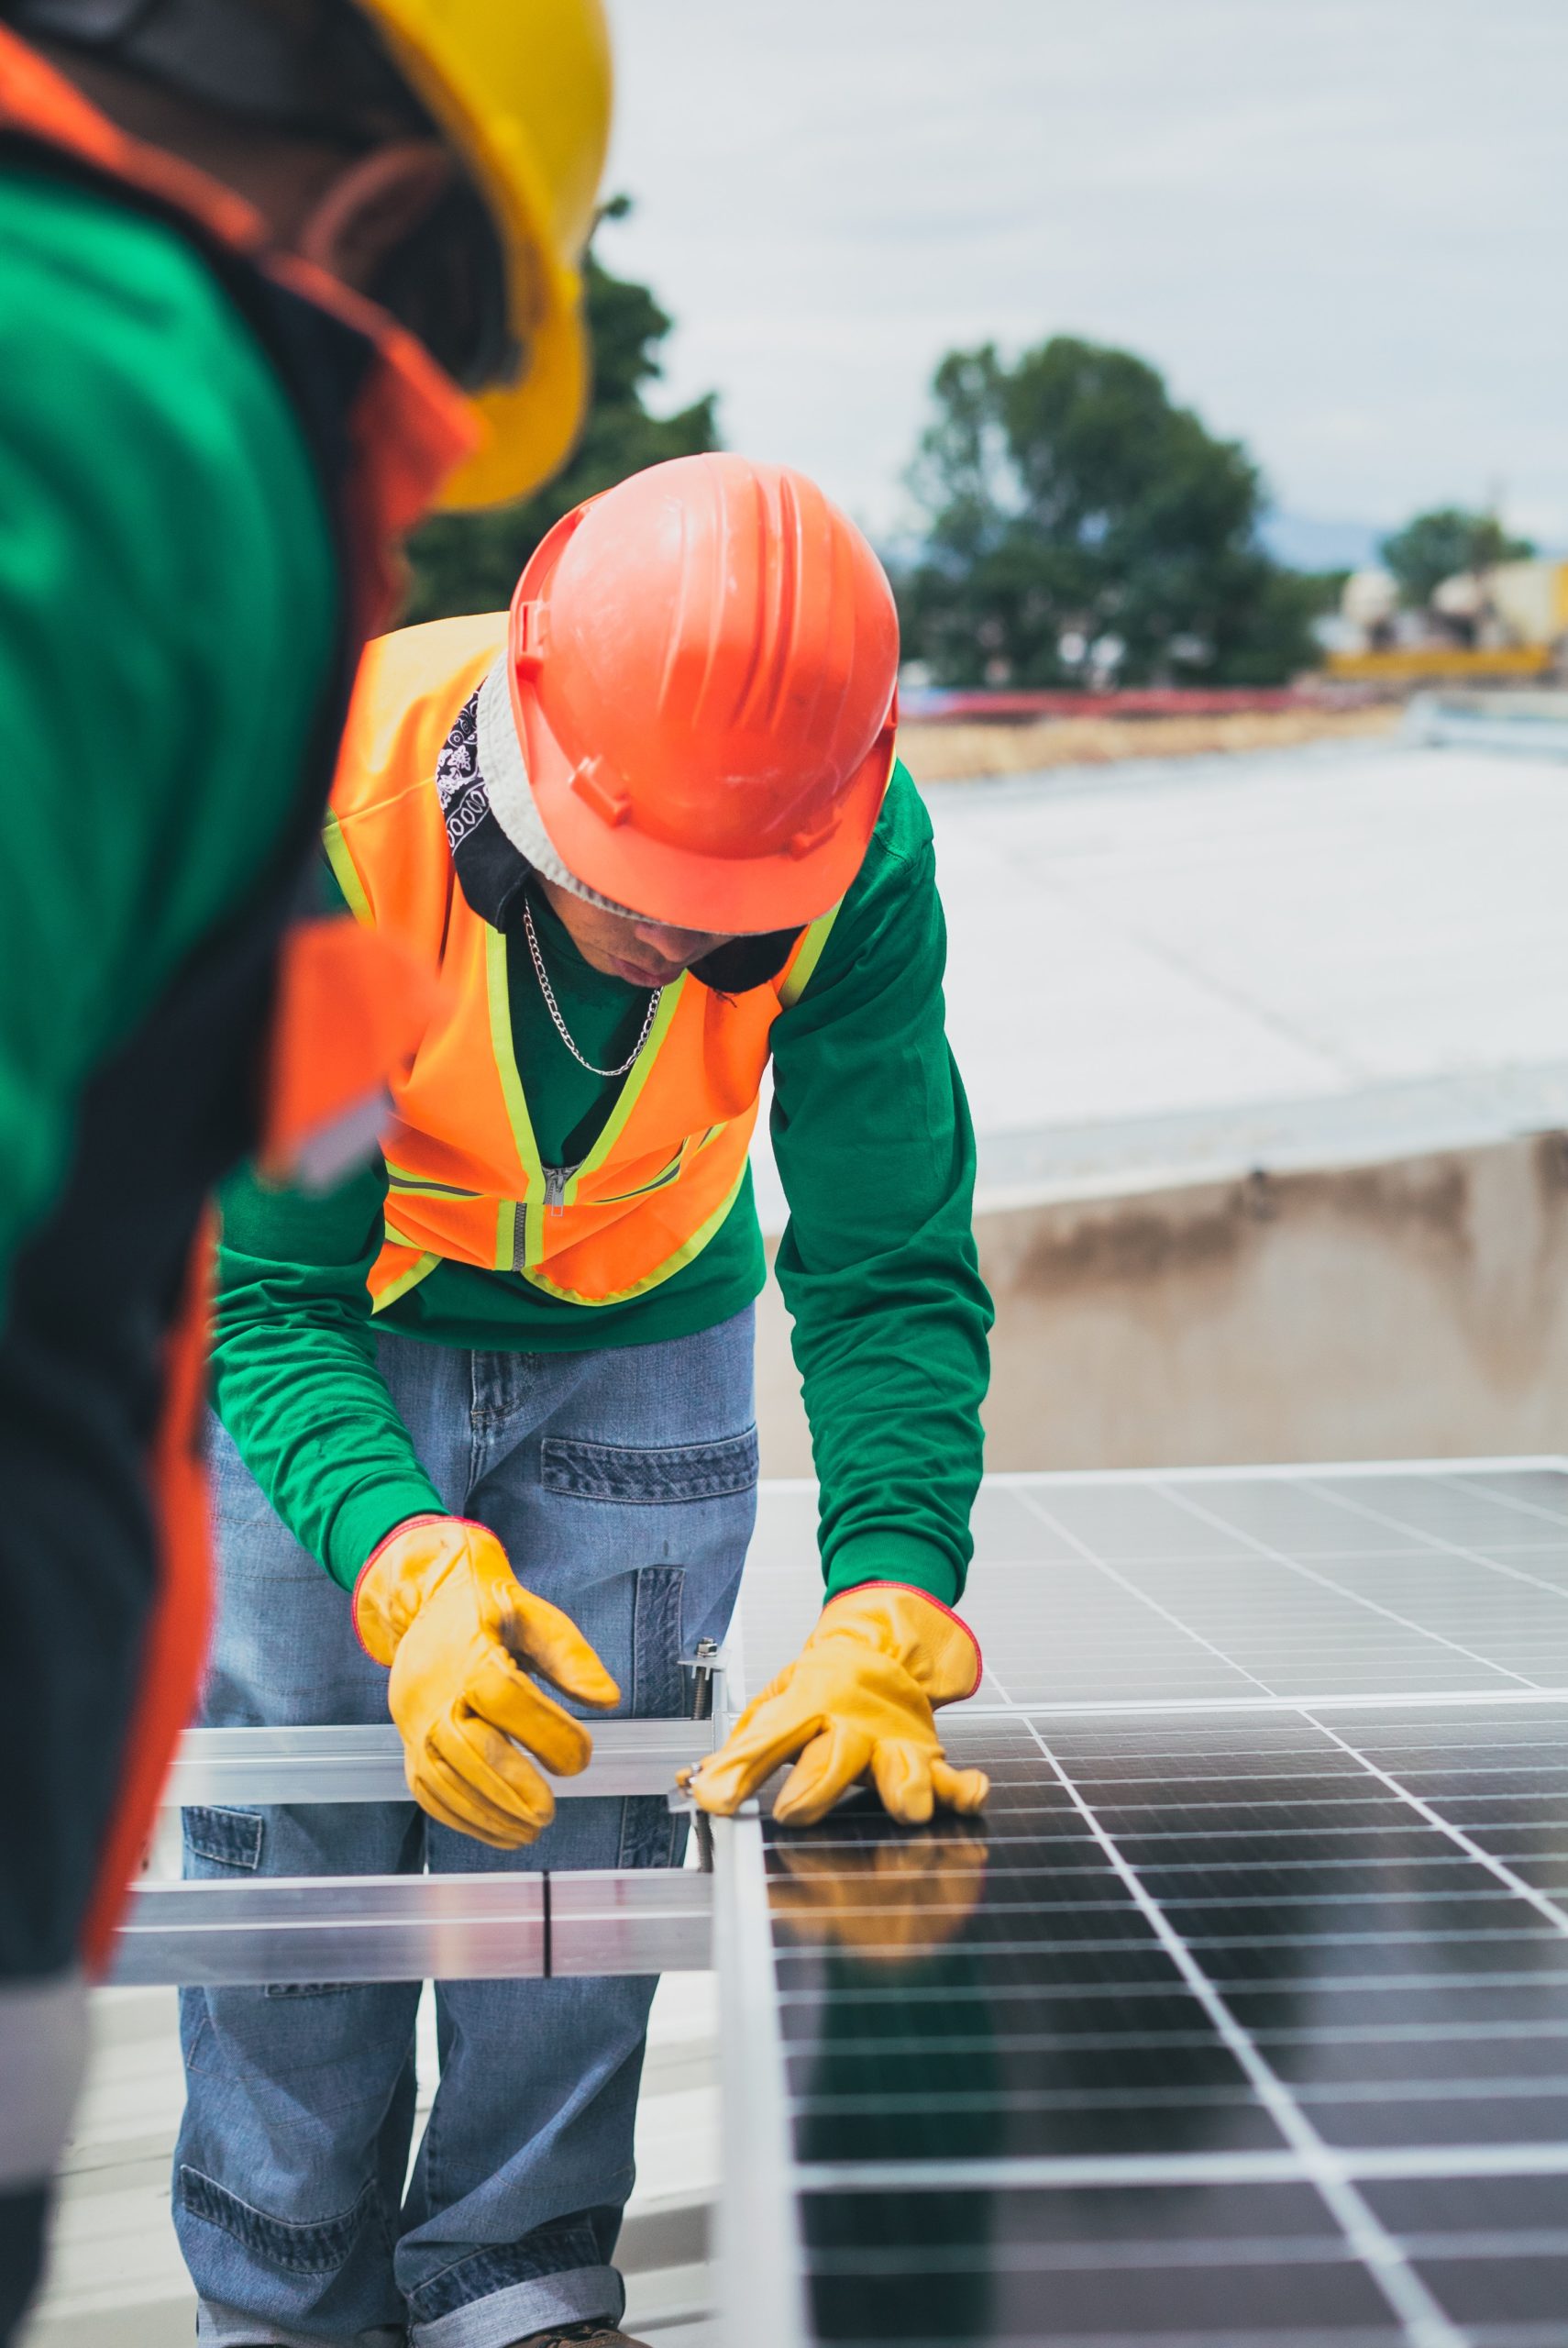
column 654, row 1475
column 225, row 1838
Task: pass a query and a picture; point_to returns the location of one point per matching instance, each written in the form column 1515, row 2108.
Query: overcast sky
column 1339, row 226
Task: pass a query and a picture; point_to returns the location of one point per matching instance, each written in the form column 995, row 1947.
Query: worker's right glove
column 858, row 1701
column 438, row 1601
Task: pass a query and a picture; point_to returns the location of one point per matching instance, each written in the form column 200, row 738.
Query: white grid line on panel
column 1285, row 1471
column 1326, row 1581
column 1425, row 2324
column 1499, row 1868
column 1065, row 1533
column 1161, row 2254
column 1437, row 1540
column 1551, row 1463
column 1072, row 2171
column 1070, row 1708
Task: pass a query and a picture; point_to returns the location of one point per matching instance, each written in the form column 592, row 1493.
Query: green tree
column 1432, row 547
column 1070, row 506
column 470, row 562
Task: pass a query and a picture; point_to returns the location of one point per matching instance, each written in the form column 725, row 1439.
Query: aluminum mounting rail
column 300, row 1930
column 250, row 1767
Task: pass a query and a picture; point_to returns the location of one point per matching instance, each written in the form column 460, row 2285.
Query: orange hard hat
column 703, row 666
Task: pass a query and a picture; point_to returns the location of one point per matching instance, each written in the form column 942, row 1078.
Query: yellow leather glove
column 858, row 1697
column 438, row 1601
column 891, row 1901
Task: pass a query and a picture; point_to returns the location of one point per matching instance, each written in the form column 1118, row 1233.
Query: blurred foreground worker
column 218, row 221
column 649, row 834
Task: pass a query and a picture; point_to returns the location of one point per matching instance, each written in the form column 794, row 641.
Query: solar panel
column 1244, row 2017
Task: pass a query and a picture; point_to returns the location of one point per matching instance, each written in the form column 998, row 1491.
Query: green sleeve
column 166, row 598
column 877, row 1264
column 294, row 1373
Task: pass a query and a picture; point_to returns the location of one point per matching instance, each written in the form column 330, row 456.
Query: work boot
column 580, row 2335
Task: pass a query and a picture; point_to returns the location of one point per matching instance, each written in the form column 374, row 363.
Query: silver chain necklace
column 562, row 1030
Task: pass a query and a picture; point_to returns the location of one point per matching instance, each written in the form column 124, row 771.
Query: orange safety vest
column 466, row 1183
column 384, row 437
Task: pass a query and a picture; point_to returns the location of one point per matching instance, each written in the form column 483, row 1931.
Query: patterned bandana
column 491, row 873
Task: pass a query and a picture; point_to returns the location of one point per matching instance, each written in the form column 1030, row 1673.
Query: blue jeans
column 624, row 1485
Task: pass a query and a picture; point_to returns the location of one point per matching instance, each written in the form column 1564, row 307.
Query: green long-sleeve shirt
column 878, row 1265
column 158, row 510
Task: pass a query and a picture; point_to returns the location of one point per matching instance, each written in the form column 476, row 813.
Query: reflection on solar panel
column 1245, row 2018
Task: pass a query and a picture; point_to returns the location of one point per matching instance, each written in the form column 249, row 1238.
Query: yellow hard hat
column 522, row 88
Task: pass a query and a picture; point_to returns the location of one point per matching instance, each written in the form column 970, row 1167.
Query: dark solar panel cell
column 1035, row 1967
column 1493, row 2117
column 1427, row 2004
column 1056, row 2266
column 1326, row 2061
column 1313, row 1961
column 1448, row 1915
column 1463, row 2209
column 1515, row 2288
column 1063, row 2226
column 1375, row 1846
column 922, row 2127
column 1439, row 1873
column 1115, row 2303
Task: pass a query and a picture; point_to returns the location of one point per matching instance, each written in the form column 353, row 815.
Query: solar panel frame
column 1402, row 1799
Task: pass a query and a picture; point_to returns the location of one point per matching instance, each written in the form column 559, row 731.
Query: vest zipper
column 555, row 1180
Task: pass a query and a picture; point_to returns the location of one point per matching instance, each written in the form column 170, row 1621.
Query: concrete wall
column 1391, row 1311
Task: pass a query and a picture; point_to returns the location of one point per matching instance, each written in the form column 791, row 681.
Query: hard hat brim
column 728, row 894
column 530, row 427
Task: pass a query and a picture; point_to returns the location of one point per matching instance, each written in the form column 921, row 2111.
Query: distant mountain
column 1307, row 544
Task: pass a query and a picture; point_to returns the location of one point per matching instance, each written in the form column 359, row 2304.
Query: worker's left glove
column 439, row 1602
column 857, row 1699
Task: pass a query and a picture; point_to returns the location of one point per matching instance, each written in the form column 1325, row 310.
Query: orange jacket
column 464, row 1177
column 338, row 1009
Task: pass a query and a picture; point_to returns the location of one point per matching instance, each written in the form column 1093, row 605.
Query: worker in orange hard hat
column 647, row 835
column 273, row 273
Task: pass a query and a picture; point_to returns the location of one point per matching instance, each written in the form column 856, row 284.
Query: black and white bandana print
column 491, row 873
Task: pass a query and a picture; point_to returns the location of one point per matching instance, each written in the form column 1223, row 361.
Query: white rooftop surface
column 1308, row 956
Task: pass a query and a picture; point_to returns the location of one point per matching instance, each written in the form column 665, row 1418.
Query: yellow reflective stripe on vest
column 798, row 976
column 659, row 1181
column 417, row 1271
column 414, row 1185
column 345, row 871
column 506, row 1235
column 517, row 1118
